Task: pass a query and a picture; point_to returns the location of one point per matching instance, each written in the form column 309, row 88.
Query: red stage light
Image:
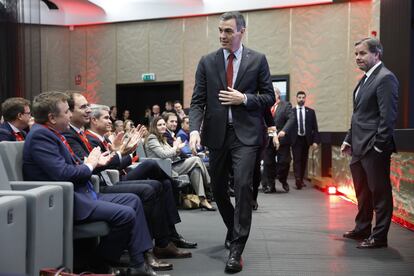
column 332, row 190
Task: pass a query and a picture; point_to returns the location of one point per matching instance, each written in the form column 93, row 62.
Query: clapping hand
column 93, row 157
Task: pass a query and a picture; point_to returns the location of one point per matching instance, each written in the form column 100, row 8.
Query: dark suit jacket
column 170, row 139
column 253, row 79
column 375, row 114
column 311, row 126
column 46, row 158
column 6, row 133
column 284, row 119
column 115, row 162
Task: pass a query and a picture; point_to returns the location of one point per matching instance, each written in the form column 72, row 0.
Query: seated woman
column 157, row 146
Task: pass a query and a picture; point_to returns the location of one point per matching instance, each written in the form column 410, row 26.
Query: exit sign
column 148, row 77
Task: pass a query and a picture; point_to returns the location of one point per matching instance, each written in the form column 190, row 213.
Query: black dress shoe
column 270, row 190
column 285, row 186
column 234, row 263
column 155, row 263
column 144, row 270
column 371, row 243
column 354, row 235
column 183, row 243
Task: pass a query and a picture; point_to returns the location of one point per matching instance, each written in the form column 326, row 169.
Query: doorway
column 137, row 97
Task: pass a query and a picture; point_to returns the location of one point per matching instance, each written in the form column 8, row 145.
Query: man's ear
column 52, row 118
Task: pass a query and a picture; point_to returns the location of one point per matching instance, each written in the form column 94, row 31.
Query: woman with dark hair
column 157, row 146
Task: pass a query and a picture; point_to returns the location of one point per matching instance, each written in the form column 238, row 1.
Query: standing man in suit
column 304, row 135
column 48, row 157
column 232, row 88
column 276, row 161
column 16, row 112
column 370, row 142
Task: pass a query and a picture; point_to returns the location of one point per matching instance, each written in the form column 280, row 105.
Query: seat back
column 12, row 155
column 13, row 227
column 4, row 180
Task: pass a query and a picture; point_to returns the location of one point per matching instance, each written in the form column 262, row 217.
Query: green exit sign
column 148, row 77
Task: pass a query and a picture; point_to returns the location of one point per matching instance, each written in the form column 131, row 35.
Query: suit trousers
column 149, row 169
column 125, row 215
column 371, row 176
column 273, row 169
column 151, row 194
column 300, row 150
column 242, row 159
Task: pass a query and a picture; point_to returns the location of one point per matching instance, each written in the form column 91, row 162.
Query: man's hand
column 117, row 143
column 93, row 157
column 231, row 97
column 131, row 144
column 194, row 141
column 104, row 158
column 314, row 146
column 281, row 134
column 178, row 144
column 346, row 149
column 276, row 143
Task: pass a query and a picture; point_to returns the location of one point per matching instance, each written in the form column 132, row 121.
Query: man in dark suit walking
column 304, row 135
column 370, row 142
column 232, row 89
column 276, row 161
column 16, row 113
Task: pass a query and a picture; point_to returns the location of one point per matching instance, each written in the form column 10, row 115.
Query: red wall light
column 331, row 190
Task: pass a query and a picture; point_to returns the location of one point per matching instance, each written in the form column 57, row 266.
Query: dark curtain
column 20, row 58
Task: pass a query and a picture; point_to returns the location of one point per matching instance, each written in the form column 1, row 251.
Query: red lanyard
column 85, row 141
column 104, row 143
column 19, row 136
column 63, row 139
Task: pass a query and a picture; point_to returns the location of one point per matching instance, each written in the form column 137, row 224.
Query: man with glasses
column 16, row 113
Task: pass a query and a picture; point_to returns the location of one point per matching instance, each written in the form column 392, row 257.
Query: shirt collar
column 373, row 69
column 298, row 106
column 237, row 53
column 101, row 138
column 15, row 129
column 78, row 130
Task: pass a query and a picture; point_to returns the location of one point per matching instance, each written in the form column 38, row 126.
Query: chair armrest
column 95, row 182
column 113, row 175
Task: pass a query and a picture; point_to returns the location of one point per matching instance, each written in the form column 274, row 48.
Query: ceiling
column 84, row 12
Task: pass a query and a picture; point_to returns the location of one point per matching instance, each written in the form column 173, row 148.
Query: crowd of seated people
column 71, row 140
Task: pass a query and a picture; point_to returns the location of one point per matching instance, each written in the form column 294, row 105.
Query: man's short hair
column 374, row 45
column 240, row 22
column 96, row 110
column 301, row 93
column 167, row 115
column 12, row 107
column 71, row 100
column 185, row 118
column 46, row 103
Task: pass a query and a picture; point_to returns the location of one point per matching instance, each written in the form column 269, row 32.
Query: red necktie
column 273, row 110
column 19, row 136
column 229, row 73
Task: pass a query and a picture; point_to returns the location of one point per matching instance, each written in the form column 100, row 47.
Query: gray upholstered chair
column 12, row 156
column 13, row 233
column 44, row 222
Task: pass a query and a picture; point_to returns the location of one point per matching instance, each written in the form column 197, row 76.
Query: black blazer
column 253, row 79
column 284, row 119
column 115, row 162
column 311, row 126
column 375, row 114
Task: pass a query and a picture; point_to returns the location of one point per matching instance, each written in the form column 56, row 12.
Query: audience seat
column 44, row 211
column 12, row 156
column 13, row 231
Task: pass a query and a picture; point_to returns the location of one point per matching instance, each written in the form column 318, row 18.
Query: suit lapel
column 243, row 66
column 366, row 84
column 221, row 67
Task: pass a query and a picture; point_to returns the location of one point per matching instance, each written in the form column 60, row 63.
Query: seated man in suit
column 48, row 157
column 150, row 191
column 16, row 113
column 148, row 169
